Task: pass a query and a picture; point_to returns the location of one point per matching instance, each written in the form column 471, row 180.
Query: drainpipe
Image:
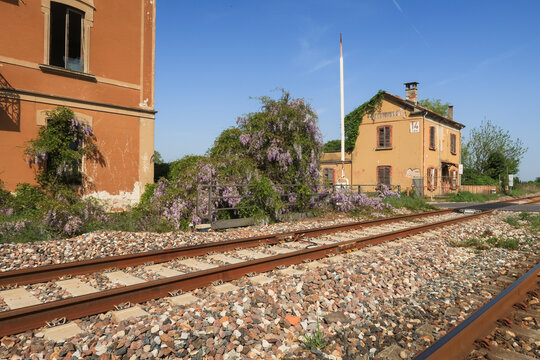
column 459, row 175
column 423, row 174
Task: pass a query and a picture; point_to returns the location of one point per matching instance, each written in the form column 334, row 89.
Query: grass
column 489, row 241
column 415, row 203
column 315, row 340
column 465, row 196
column 525, row 219
column 512, row 220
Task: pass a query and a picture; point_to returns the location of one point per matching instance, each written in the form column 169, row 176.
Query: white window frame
column 84, row 6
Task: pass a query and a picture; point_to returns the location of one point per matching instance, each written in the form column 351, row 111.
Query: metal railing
column 210, row 199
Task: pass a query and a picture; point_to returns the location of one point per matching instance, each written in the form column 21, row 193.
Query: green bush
column 182, row 165
column 465, row 196
column 148, row 193
column 28, row 199
column 265, row 197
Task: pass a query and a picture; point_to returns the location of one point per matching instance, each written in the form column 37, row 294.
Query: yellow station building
column 402, row 144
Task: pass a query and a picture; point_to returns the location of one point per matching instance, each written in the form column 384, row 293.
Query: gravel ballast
column 388, row 301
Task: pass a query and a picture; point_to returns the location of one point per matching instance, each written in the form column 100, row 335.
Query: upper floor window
column 384, row 137
column 66, row 37
column 432, row 137
column 453, row 144
column 383, row 175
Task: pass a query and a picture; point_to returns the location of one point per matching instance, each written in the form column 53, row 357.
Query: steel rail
column 31, row 317
column 459, row 342
column 50, row 272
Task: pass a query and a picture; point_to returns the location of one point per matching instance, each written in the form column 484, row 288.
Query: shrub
column 59, row 149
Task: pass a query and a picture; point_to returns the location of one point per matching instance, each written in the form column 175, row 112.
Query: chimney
column 451, row 112
column 411, row 92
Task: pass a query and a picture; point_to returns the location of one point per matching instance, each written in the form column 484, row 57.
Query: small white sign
column 415, row 126
column 460, row 169
column 510, row 180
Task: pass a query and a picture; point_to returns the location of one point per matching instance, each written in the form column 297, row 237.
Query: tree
column 158, row 159
column 496, row 165
column 332, row 145
column 435, row 105
column 283, row 139
column 486, row 140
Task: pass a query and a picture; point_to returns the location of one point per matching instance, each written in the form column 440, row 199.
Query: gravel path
column 388, row 301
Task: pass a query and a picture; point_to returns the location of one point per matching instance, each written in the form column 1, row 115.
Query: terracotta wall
column 116, row 91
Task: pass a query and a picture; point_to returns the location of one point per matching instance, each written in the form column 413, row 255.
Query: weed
column 524, row 216
column 316, row 339
column 512, row 220
column 488, row 241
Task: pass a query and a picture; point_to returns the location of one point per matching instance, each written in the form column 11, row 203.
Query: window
column 383, row 175
column 453, row 143
column 384, row 137
column 432, row 138
column 431, row 179
column 329, row 176
column 66, row 35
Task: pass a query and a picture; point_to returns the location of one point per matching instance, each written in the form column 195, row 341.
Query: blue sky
column 213, row 57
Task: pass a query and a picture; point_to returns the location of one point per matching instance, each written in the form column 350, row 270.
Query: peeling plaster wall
column 121, row 201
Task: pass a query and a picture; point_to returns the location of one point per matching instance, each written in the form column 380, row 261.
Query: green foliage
column 435, row 105
column 527, row 220
column 59, row 149
column 182, row 165
column 283, row 140
column 161, row 171
column 534, row 223
column 415, row 203
column 148, row 193
column 486, row 140
column 512, row 220
column 265, row 197
column 473, row 177
column 161, row 168
column 488, row 241
column 355, row 117
column 28, row 199
column 465, row 196
column 332, row 145
column 316, row 339
column 158, row 159
column 227, row 144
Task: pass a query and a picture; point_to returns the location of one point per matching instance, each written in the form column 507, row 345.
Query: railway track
column 305, row 246
column 50, row 272
column 506, row 328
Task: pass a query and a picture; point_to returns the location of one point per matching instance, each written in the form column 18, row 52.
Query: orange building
column 402, row 143
column 95, row 57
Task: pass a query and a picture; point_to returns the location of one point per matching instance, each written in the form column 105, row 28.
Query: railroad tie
column 162, row 270
column 225, row 259
column 18, row 298
column 199, row 265
column 76, row 287
column 122, row 278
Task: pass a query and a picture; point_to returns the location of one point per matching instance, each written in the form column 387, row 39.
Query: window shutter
column 432, row 137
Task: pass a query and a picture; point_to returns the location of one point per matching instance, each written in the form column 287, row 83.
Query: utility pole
column 342, row 179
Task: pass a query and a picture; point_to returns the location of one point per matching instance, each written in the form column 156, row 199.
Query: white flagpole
column 342, row 107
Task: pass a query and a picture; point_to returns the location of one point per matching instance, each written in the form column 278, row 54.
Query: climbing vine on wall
column 354, row 118
column 59, row 149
